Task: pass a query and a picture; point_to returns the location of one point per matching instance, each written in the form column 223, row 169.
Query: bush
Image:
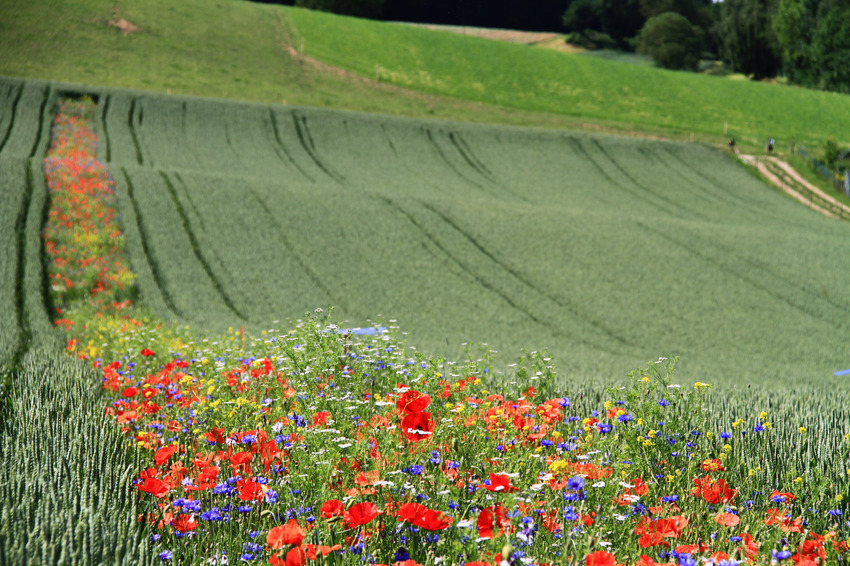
column 672, row 41
column 592, row 39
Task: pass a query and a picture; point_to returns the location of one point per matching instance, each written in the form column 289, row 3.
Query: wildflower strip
column 316, row 445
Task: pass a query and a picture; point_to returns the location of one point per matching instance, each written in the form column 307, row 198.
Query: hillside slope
column 604, row 250
column 233, row 49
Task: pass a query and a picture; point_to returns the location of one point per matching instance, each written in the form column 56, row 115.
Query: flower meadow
column 330, row 445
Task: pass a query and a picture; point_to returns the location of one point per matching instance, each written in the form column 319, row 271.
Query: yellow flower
column 738, row 423
column 762, row 415
column 608, row 404
column 727, row 448
column 722, row 455
column 798, row 479
column 839, row 498
column 803, row 430
column 652, row 433
column 645, row 379
column 700, row 385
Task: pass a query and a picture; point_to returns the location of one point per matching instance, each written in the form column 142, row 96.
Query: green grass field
column 184, row 48
column 604, row 250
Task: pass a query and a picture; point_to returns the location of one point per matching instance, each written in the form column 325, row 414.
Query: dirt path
column 797, row 183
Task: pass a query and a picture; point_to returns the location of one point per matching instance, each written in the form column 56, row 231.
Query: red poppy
column 713, row 492
column 600, row 558
column 164, row 453
column 249, row 490
column 154, row 486
column 313, row 550
column 420, row 516
column 714, row 465
column 289, row 534
column 321, row 418
column 332, row 508
column 490, row 517
column 727, row 519
column 147, row 352
column 367, row 478
column 412, row 401
column 500, row 482
column 130, row 391
column 360, row 514
column 417, row 426
column 185, row 523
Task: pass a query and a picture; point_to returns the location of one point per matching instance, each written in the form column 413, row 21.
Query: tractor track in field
column 196, row 249
column 281, row 147
column 146, row 249
column 13, row 111
column 509, row 272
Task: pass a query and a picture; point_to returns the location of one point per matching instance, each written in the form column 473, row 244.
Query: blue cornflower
column 624, row 418
column 435, row 457
column 781, row 554
column 664, row 402
column 249, row 439
column 834, row 512
column 575, row 483
column 166, row 555
column 725, row 435
column 605, row 428
column 416, row 470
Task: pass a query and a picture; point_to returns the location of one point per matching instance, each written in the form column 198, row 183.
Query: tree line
column 807, row 41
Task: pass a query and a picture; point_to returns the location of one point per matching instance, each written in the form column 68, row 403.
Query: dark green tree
column 672, row 41
column 830, row 51
column 747, row 40
column 582, row 15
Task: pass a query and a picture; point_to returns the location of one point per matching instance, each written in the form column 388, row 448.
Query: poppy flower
column 185, row 523
column 360, row 514
column 164, row 453
column 491, row 517
column 295, row 557
column 413, row 402
column 154, row 486
column 147, row 352
column 600, row 558
column 423, row 517
column 417, row 426
column 713, row 492
column 332, row 508
column 313, row 550
column 500, row 483
column 249, row 490
column 130, row 391
column 727, row 519
column 289, row 534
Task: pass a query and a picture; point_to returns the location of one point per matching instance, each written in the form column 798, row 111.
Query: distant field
column 540, row 80
column 605, row 250
column 273, row 54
